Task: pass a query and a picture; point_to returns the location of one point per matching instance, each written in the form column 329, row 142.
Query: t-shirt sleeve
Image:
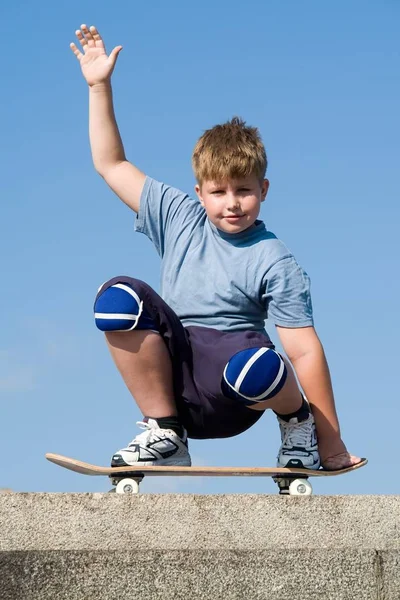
column 287, row 295
column 164, row 212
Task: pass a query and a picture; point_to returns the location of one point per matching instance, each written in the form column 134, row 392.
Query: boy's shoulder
column 273, row 247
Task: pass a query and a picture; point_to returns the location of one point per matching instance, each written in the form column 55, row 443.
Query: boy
column 198, row 361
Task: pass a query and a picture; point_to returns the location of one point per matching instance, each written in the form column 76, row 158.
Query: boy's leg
column 288, row 400
column 261, row 379
column 143, row 360
column 144, row 363
column 289, row 403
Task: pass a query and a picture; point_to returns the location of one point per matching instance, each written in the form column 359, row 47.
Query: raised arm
column 108, row 154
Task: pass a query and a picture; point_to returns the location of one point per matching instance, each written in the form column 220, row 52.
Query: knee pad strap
column 254, row 375
column 119, row 308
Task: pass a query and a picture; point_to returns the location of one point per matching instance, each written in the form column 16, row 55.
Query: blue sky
column 320, row 80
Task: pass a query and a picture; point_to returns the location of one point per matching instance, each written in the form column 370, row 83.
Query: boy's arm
column 108, row 154
column 307, row 356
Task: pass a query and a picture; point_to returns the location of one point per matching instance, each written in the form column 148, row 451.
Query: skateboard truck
column 294, row 486
column 289, row 486
column 126, row 485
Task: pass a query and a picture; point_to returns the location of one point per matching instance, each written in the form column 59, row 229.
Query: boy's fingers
column 97, row 37
column 81, row 38
column 88, row 35
column 75, row 50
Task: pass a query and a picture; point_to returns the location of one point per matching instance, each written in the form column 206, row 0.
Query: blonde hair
column 229, row 151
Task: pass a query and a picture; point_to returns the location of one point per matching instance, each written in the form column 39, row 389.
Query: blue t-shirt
column 227, row 281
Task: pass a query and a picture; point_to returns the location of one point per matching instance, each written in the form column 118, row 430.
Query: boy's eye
column 222, row 191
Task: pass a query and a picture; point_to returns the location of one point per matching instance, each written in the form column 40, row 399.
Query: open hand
column 96, row 66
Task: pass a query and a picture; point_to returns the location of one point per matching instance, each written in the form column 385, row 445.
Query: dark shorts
column 199, row 356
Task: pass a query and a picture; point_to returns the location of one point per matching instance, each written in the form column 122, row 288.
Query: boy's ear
column 197, row 189
column 264, row 189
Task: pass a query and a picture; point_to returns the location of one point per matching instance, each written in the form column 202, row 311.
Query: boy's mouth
column 233, row 217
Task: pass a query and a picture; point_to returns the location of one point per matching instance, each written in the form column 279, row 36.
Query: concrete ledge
column 189, row 574
column 107, row 546
column 192, row 522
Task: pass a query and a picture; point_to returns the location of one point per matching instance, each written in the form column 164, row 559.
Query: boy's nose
column 232, row 203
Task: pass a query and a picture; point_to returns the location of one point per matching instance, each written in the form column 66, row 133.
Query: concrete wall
column 108, row 546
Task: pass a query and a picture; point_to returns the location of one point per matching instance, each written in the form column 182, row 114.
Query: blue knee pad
column 254, row 375
column 119, row 308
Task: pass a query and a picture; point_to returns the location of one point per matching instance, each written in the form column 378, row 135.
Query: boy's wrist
column 329, row 447
column 104, row 86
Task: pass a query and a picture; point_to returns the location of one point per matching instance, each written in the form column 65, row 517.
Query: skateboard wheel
column 300, row 487
column 127, row 486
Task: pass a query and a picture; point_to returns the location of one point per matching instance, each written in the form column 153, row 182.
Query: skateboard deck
column 291, row 480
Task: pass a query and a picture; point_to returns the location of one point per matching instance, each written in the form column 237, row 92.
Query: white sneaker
column 299, row 444
column 154, row 447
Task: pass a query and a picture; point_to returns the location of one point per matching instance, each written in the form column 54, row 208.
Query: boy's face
column 233, row 205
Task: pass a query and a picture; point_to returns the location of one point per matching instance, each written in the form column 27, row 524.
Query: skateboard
column 293, row 481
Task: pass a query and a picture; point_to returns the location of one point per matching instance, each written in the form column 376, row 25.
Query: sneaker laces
column 297, row 434
column 147, row 436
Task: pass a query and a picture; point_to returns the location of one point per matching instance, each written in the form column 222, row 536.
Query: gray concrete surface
column 103, row 546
